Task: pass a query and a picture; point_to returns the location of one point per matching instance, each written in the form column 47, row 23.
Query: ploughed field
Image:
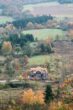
column 52, row 8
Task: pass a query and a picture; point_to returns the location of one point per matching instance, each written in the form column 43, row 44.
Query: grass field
column 42, row 34
column 40, row 60
column 6, row 95
column 5, row 19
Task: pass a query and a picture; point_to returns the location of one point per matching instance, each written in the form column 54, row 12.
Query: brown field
column 55, row 9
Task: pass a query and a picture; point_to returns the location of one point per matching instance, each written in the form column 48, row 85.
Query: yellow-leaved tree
column 39, row 97
column 28, row 97
column 31, row 97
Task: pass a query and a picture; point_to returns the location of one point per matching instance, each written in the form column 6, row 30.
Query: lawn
column 40, row 60
column 42, row 34
column 5, row 19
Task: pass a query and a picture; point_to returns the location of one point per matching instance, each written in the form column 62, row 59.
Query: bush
column 20, row 85
column 4, row 86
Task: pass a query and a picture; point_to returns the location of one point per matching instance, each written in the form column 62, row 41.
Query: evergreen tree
column 48, row 94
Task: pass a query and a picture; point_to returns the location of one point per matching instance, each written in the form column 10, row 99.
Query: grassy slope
column 45, row 33
column 41, row 59
column 4, row 19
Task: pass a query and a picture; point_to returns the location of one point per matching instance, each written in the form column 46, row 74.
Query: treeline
column 65, row 1
column 22, row 23
column 20, row 39
column 20, row 44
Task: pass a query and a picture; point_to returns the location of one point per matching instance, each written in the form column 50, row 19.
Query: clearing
column 42, row 34
column 40, row 59
column 5, row 19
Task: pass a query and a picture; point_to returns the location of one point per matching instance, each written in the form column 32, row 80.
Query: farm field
column 40, row 60
column 5, row 19
column 53, row 8
column 42, row 34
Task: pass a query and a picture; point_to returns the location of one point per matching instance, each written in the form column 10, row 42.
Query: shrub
column 4, row 86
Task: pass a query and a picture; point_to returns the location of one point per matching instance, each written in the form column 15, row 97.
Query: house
column 38, row 73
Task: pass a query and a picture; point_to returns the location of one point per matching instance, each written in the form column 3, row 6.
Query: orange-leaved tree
column 7, row 47
column 31, row 97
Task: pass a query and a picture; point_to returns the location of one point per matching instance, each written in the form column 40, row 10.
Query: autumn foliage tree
column 6, row 47
column 31, row 97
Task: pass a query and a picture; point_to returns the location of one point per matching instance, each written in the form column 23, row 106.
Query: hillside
column 23, row 1
column 16, row 8
column 5, row 2
column 65, row 1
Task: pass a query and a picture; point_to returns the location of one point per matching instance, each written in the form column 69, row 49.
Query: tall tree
column 48, row 94
column 9, row 69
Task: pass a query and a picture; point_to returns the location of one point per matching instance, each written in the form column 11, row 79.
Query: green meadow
column 5, row 19
column 40, row 59
column 42, row 34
